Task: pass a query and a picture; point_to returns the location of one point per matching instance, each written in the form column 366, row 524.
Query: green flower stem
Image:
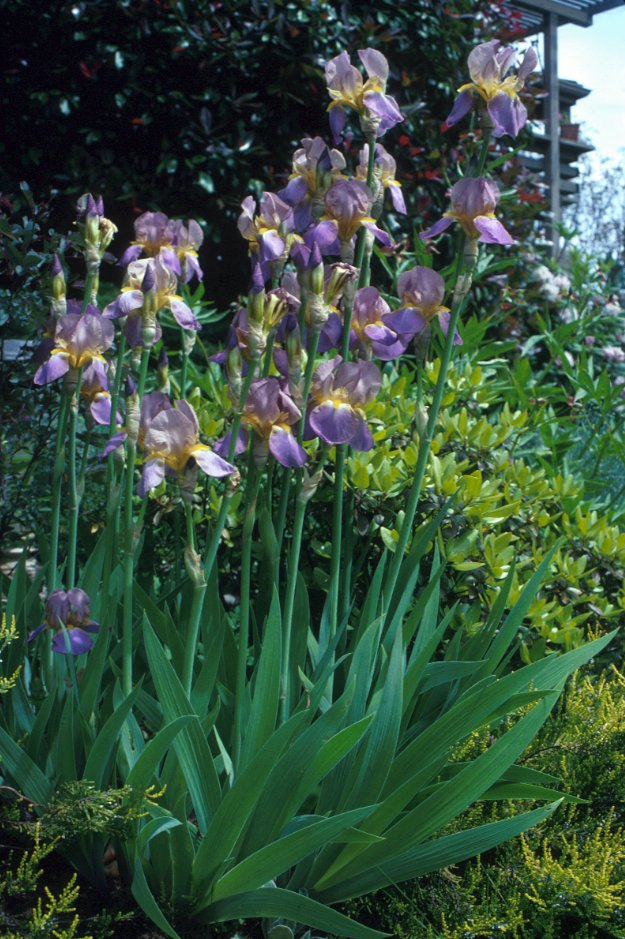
column 362, row 263
column 84, row 460
column 462, row 271
column 337, row 536
column 188, row 516
column 287, row 474
column 199, row 592
column 74, row 495
column 185, row 364
column 57, row 481
column 267, row 356
column 90, row 295
column 131, row 457
column 426, row 438
column 308, row 374
column 113, row 485
column 289, row 598
column 249, row 520
column 285, row 491
column 213, row 545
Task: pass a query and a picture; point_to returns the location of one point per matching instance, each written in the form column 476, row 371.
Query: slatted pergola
column 544, row 16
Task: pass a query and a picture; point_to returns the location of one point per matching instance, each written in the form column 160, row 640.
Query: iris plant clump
column 302, row 758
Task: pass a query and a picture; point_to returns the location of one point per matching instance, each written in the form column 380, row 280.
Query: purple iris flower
column 271, row 413
column 315, row 166
column 130, row 303
column 186, row 241
column 488, row 67
column 378, row 111
column 473, row 202
column 72, row 608
column 151, row 405
column 97, row 395
column 78, row 341
column 348, row 202
column 154, row 235
column 421, row 293
column 384, row 170
column 269, row 233
column 171, row 445
column 339, row 392
column 370, row 334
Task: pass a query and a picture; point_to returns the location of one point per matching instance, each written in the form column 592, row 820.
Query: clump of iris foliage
column 247, row 662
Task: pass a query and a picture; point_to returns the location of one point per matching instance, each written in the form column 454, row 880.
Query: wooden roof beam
column 567, row 13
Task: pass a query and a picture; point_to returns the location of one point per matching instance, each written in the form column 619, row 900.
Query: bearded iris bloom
column 339, row 392
column 378, row 111
column 348, row 202
column 421, row 293
column 315, row 167
column 151, row 405
column 78, row 341
column 385, row 168
column 171, row 445
column 72, row 609
column 130, row 303
column 97, row 395
column 272, row 413
column 369, row 332
column 269, row 232
column 488, row 68
column 473, row 203
column 172, row 241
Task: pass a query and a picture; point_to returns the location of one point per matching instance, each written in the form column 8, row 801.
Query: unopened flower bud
column 256, row 306
column 341, row 275
column 257, row 340
column 316, row 271
column 148, row 330
column 58, row 280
